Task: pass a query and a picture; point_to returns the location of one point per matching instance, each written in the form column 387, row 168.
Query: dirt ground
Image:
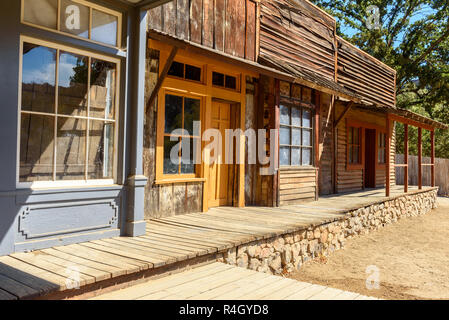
column 412, row 257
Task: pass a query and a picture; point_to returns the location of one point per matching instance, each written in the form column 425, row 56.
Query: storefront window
column 67, row 115
column 75, row 18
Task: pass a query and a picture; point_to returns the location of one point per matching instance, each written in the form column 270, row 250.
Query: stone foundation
column 284, row 254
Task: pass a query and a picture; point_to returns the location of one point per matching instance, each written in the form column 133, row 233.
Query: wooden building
column 291, row 72
column 96, row 95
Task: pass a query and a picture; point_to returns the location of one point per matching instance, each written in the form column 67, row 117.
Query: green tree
column 413, row 38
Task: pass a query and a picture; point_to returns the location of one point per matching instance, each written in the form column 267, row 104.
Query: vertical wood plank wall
column 225, row 25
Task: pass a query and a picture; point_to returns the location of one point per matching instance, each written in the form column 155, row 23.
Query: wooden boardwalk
column 168, row 241
column 218, row 281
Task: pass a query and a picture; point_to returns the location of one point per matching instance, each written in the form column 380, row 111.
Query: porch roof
column 403, row 113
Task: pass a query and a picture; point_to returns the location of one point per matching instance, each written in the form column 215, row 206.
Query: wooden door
column 219, row 170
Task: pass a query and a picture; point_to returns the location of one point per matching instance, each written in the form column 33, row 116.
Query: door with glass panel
column 220, row 119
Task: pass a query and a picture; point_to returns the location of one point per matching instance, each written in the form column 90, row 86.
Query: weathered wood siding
column 365, row 75
column 353, row 180
column 224, row 25
column 170, row 199
column 297, row 185
column 326, row 145
column 298, row 32
column 302, row 35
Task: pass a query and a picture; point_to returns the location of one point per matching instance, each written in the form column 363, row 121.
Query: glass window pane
column 41, row 12
column 284, row 136
column 356, row 155
column 192, row 109
column 306, row 157
column 102, row 89
column 356, row 136
column 71, row 149
column 231, row 82
column 36, row 148
column 72, row 84
column 38, row 78
column 296, row 156
column 296, row 117
column 173, row 113
column 350, row 135
column 176, row 70
column 306, row 118
column 101, row 150
column 171, row 164
column 284, row 88
column 284, row 115
column 284, row 156
column 307, row 94
column 296, row 91
column 218, row 79
column 104, row 27
column 306, row 137
column 296, row 137
column 187, row 160
column 74, row 18
column 350, row 153
column 193, row 73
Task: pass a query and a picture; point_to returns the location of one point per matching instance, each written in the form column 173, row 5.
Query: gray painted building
column 72, row 123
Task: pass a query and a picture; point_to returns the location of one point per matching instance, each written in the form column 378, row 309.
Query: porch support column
column 432, row 156
column 419, row 158
column 137, row 44
column 406, row 158
column 276, row 126
column 388, row 150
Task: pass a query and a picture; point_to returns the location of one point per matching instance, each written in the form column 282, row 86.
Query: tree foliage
column 413, row 38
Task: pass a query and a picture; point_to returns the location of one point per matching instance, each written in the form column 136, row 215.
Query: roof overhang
column 196, row 48
column 405, row 116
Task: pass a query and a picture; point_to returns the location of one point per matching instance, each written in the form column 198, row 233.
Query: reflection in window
column 354, row 145
column 38, row 78
column 66, row 143
column 104, row 27
column 36, row 148
column 295, row 136
column 41, row 12
column 72, row 84
column 102, row 89
column 180, row 115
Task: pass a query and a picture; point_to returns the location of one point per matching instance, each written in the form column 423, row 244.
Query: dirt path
column 412, row 257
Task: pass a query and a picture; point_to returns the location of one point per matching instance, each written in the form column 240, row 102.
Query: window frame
column 160, row 175
column 91, row 6
column 379, row 165
column 237, row 76
column 187, row 62
column 115, row 120
column 292, row 103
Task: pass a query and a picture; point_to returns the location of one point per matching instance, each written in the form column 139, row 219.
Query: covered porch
column 270, row 240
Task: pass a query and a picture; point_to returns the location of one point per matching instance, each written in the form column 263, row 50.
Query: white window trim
column 91, row 6
column 66, row 183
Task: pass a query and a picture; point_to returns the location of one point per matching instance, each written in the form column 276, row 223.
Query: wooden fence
column 441, row 173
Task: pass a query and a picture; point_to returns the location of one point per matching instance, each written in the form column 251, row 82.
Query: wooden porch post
column 406, row 158
column 419, row 158
column 276, row 126
column 432, row 155
column 317, row 142
column 388, row 149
